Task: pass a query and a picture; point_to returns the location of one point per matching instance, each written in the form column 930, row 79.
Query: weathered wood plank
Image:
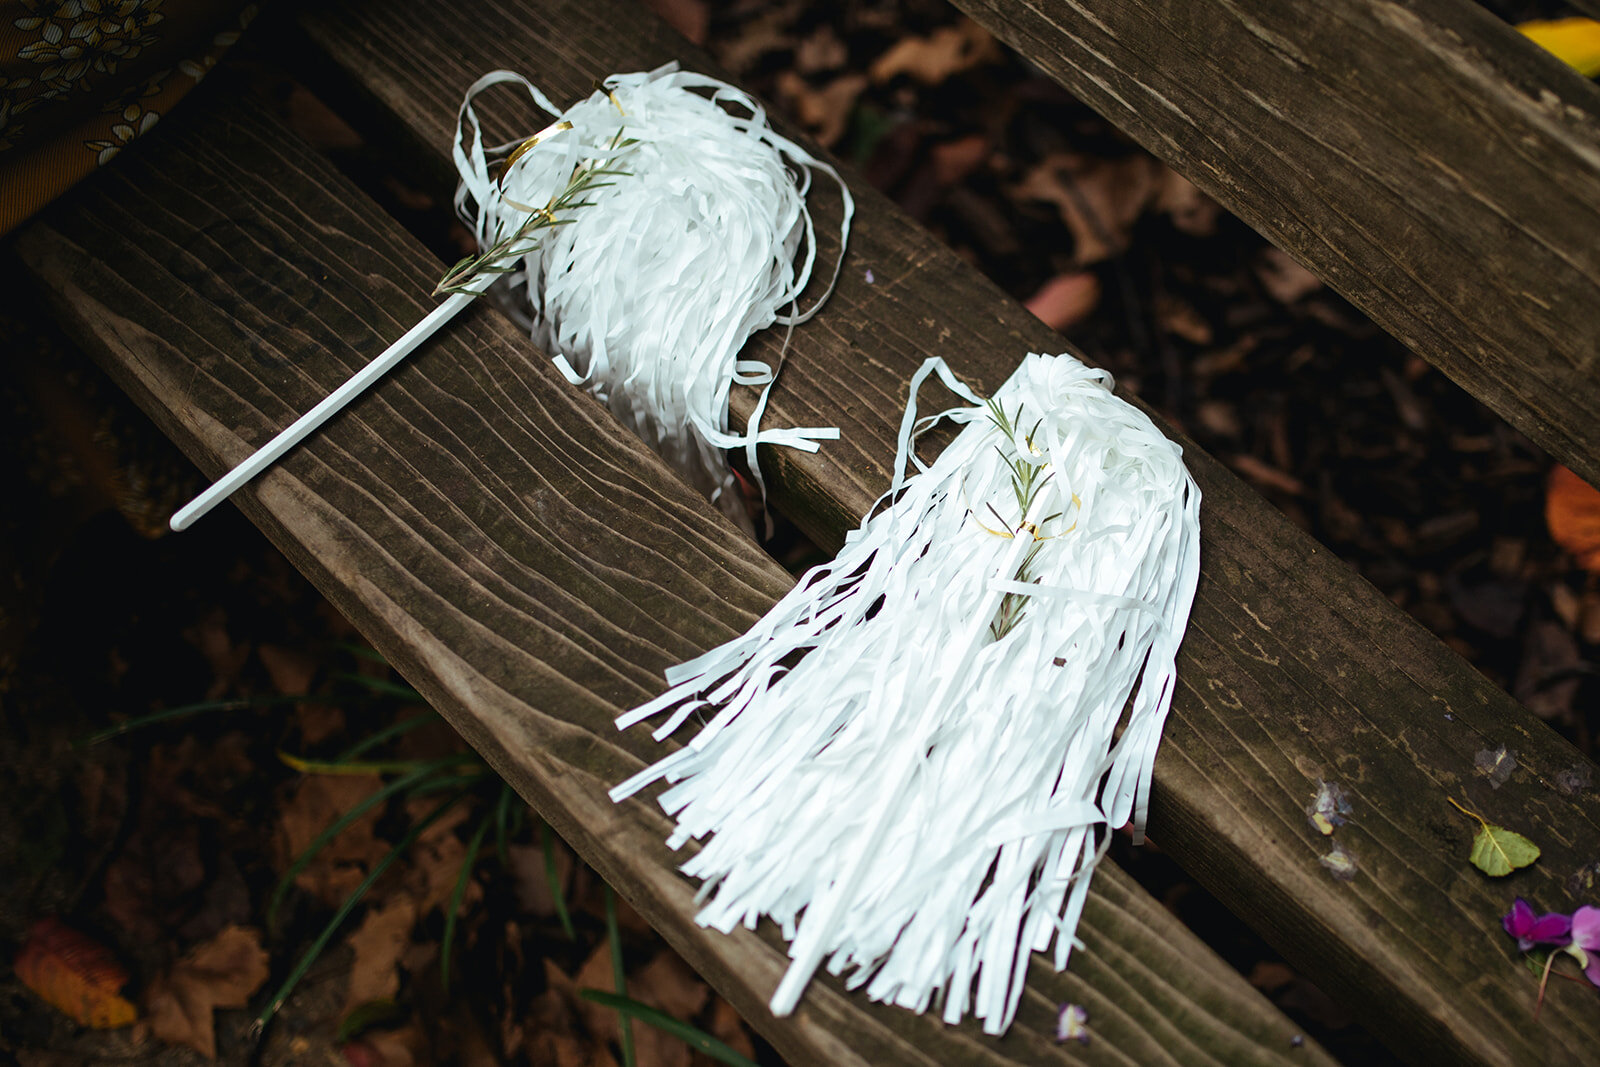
column 1423, row 158
column 529, row 567
column 1295, row 668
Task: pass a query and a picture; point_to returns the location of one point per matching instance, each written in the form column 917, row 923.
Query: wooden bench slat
column 528, row 566
column 1424, row 159
column 1295, row 668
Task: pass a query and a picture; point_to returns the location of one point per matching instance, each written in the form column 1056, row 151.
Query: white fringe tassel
column 914, row 799
column 647, row 292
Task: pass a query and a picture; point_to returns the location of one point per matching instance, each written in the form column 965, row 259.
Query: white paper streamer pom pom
column 909, row 762
column 683, row 232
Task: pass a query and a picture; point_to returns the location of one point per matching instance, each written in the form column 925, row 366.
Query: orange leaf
column 1572, row 511
column 75, row 975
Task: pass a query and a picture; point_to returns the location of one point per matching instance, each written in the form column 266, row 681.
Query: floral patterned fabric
column 80, row 79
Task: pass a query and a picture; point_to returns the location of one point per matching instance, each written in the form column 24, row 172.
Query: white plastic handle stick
column 270, row 452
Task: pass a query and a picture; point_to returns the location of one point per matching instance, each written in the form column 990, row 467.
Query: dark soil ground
column 163, row 843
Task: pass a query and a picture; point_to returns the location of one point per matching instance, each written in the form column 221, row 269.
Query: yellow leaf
column 1574, row 41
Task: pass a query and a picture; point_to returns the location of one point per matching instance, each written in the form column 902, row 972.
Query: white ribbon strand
column 909, row 764
column 646, row 295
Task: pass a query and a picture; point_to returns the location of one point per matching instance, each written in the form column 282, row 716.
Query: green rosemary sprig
column 1028, row 479
column 502, row 256
column 1013, row 606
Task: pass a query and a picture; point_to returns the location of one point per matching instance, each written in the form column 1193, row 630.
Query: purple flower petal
column 1519, row 920
column 1551, row 929
column 1529, row 929
column 1586, row 929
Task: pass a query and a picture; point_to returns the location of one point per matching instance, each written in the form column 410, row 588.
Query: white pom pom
column 909, row 762
column 687, row 233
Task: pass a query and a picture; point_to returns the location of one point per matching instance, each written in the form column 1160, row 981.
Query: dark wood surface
column 1423, row 158
column 1294, row 669
column 528, row 566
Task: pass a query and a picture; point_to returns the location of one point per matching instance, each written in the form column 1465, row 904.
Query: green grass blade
column 447, row 782
column 186, row 710
column 338, row 826
column 350, row 902
column 361, row 652
column 614, row 936
column 502, row 813
column 382, row 686
column 388, row 733
column 447, row 942
column 695, row 1038
column 552, row 877
column 359, row 767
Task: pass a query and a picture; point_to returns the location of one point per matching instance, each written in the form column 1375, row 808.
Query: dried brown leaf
column 1263, row 473
column 529, row 882
column 1178, row 317
column 1284, row 279
column 291, row 669
column 947, row 51
column 379, row 943
column 824, row 112
column 1192, row 211
column 1098, row 199
column 342, row 863
column 223, row 972
column 433, row 864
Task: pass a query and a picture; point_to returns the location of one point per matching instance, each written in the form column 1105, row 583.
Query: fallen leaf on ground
column 554, row 1032
column 433, row 865
column 388, row 1048
column 210, row 637
column 291, row 669
column 1284, row 279
column 821, row 51
column 1572, row 511
column 74, row 974
column 1574, row 41
column 953, row 161
column 824, row 112
column 529, row 881
column 1551, row 672
column 221, row 973
column 1098, row 199
column 946, row 51
column 1178, row 317
column 1066, row 300
column 729, row 1028
column 379, row 943
column 1192, row 211
column 342, row 863
column 1264, row 473
column 652, row 1047
column 692, row 18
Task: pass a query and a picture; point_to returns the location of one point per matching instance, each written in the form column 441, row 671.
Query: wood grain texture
column 1294, row 670
column 1420, row 156
column 527, row 565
